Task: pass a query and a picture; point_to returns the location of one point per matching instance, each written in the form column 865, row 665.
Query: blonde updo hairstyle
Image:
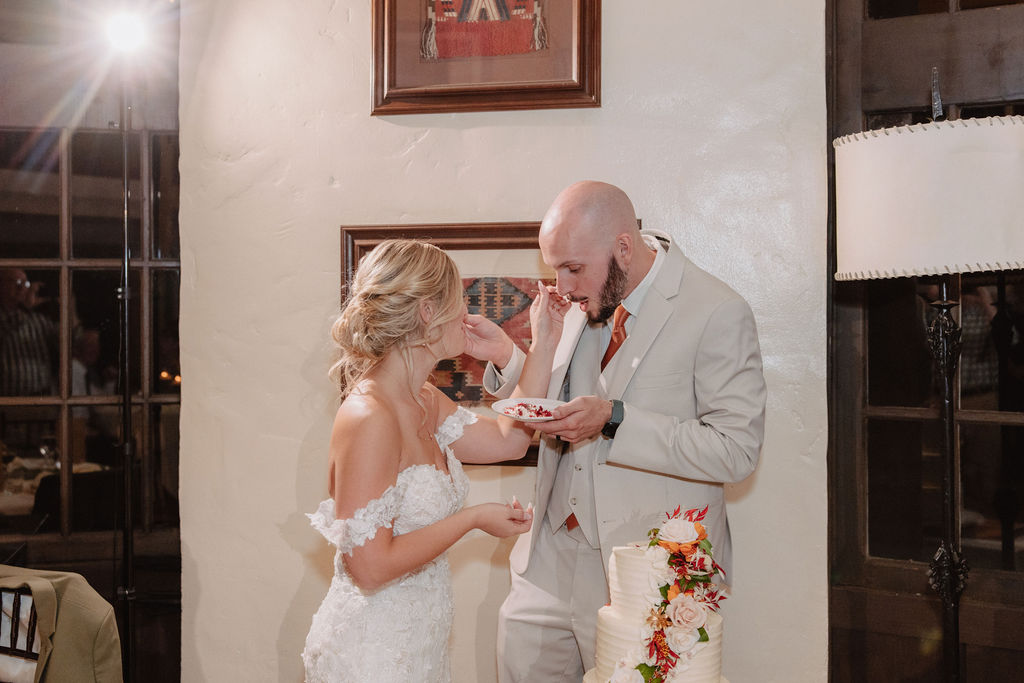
column 382, row 309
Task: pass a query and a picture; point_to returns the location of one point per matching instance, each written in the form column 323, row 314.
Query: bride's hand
column 503, row 520
column 547, row 313
column 486, row 341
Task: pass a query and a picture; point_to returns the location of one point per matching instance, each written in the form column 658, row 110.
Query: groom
column 661, row 370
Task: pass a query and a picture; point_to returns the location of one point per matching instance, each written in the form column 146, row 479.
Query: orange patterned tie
column 618, row 334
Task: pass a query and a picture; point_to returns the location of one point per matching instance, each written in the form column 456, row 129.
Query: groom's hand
column 487, row 342
column 578, row 420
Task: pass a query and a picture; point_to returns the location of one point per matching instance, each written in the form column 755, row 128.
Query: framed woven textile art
column 478, row 55
column 499, row 263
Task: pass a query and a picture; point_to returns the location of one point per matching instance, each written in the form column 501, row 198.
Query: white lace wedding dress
column 398, row 633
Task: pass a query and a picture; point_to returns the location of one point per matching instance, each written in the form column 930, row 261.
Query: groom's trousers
column 547, row 625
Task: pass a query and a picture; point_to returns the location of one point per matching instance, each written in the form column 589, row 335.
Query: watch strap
column 610, row 427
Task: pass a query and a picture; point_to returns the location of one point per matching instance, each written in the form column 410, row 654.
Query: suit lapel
column 572, row 328
column 649, row 322
column 654, row 313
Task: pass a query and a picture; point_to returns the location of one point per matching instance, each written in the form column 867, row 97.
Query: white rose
column 652, row 596
column 686, row 613
column 676, row 674
column 681, row 640
column 678, row 531
column 660, row 573
column 656, row 555
column 624, row 675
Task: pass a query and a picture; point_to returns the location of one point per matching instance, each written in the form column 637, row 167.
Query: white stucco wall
column 712, row 119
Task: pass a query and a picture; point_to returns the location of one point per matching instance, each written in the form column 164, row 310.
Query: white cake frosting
column 621, row 628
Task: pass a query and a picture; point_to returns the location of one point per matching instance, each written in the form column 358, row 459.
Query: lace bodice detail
column 400, row 631
column 421, row 495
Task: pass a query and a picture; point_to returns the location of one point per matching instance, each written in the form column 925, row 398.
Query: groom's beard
column 612, row 292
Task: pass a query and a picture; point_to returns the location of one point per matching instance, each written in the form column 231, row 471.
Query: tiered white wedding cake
column 662, row 625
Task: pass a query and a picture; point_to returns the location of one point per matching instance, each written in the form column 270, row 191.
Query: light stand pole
column 947, row 573
column 126, row 32
column 126, row 592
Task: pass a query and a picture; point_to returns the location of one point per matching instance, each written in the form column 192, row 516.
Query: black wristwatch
column 613, row 424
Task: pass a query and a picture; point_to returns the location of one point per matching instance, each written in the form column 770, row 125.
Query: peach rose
column 686, row 613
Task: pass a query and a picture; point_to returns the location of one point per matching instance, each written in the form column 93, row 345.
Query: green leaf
column 705, row 545
column 664, row 592
column 649, row 673
column 703, row 635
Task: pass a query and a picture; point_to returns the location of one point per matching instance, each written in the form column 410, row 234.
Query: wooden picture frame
column 499, row 262
column 564, row 73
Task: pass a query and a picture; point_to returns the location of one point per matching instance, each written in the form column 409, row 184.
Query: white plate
column 507, row 406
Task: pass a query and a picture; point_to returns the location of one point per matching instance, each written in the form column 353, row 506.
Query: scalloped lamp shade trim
column 928, row 199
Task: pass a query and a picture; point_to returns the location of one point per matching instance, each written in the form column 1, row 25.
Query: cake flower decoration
column 682, row 573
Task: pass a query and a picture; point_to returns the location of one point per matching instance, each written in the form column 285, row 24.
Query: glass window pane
column 883, row 9
column 166, row 370
column 97, row 215
column 165, row 197
column 96, row 337
column 992, row 348
column 891, row 119
column 977, row 4
column 900, row 365
column 29, row 329
column 165, row 463
column 985, row 110
column 28, row 455
column 904, row 489
column 94, row 433
column 30, row 194
column 992, row 480
column 96, row 485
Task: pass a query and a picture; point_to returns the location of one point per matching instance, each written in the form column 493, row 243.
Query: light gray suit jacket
column 690, row 378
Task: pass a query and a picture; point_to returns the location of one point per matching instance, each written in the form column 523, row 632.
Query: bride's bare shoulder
column 365, row 415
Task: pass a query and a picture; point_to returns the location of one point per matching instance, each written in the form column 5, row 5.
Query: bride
column 396, row 483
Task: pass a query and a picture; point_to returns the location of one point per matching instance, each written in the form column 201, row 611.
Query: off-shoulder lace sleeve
column 451, row 429
column 348, row 534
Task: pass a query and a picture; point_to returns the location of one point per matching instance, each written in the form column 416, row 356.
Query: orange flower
column 673, row 591
column 687, row 549
column 701, row 532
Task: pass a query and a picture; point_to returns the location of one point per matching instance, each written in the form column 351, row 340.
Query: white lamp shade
column 945, row 197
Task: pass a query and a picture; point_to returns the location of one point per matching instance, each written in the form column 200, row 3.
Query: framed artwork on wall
column 432, row 56
column 499, row 263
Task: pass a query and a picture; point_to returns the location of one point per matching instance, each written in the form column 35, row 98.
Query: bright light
column 125, row 32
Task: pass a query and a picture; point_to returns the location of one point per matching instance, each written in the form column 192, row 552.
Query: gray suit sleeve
column 500, row 383
column 723, row 443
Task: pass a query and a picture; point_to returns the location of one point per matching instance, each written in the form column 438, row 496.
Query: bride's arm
column 365, row 457
column 500, row 438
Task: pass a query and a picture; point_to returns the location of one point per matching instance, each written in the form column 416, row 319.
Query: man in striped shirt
column 27, row 339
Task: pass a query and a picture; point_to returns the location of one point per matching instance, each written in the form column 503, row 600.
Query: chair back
column 19, row 637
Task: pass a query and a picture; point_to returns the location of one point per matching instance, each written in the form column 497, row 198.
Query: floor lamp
column 126, row 33
column 934, row 199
